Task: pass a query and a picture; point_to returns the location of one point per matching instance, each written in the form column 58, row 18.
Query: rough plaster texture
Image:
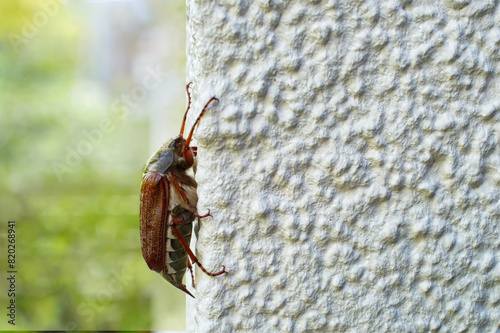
column 352, row 165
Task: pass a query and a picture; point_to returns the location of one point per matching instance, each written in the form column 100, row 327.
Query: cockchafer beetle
column 168, row 207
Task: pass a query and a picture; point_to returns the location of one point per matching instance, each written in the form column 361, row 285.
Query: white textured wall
column 352, row 166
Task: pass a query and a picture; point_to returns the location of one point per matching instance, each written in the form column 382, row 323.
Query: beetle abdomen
column 176, row 256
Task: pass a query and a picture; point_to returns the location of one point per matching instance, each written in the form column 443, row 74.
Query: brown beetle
column 168, row 207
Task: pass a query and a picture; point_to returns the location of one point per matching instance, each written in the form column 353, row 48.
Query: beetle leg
column 203, row 216
column 191, row 271
column 184, row 197
column 190, row 253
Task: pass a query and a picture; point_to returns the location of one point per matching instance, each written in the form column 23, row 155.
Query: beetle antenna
column 189, row 106
column 188, row 140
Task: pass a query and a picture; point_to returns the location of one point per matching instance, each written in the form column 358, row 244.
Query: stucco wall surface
column 351, row 166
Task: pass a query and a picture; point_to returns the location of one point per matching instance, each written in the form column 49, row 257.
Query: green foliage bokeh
column 78, row 253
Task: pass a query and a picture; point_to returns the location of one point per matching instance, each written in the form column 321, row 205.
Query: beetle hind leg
column 190, row 267
column 190, row 253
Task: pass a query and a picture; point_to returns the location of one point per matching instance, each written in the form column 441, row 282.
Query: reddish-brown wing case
column 154, row 214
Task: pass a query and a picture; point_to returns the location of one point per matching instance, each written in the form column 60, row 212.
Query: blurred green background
column 88, row 90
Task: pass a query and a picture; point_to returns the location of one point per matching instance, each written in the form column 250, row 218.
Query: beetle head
column 183, row 153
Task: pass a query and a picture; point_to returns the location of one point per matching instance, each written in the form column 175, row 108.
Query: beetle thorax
column 161, row 160
column 171, row 156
